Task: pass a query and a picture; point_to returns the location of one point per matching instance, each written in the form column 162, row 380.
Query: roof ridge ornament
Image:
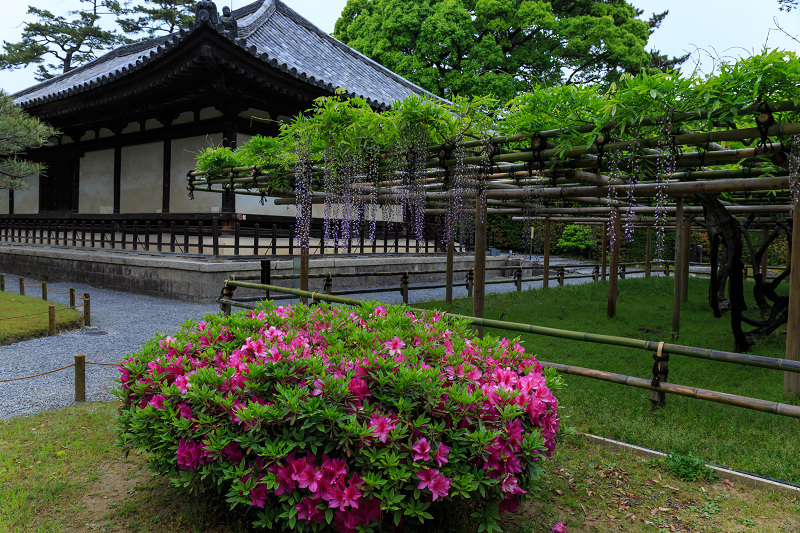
column 206, row 11
column 229, row 25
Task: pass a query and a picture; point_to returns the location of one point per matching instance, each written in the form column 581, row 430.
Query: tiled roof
column 268, row 29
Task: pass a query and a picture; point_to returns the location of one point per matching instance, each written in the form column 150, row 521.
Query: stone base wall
column 201, row 280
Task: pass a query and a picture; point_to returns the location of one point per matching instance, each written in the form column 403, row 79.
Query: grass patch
column 740, row 438
column 29, row 327
column 59, row 471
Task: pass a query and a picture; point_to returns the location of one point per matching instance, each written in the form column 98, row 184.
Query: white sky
column 727, row 29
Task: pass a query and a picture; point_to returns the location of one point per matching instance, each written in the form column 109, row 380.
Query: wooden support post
column 687, row 239
column 623, row 268
column 329, row 284
column 2, row 283
column 595, row 273
column 480, row 260
column 51, row 320
column 470, row 279
column 546, row 261
column 201, row 238
column 214, row 235
column 160, row 239
column 666, row 268
column 404, row 287
column 72, row 298
column 518, row 279
column 448, row 291
column 676, row 291
column 172, row 236
column 614, row 267
column 22, row 286
column 660, row 371
column 791, row 380
column 256, row 236
column 80, row 378
column 275, row 239
column 648, row 252
column 227, row 294
column 44, row 291
column 266, row 275
column 237, row 237
column 87, row 310
column 604, row 254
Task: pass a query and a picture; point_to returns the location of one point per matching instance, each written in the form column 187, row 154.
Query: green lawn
column 740, row 438
column 34, row 318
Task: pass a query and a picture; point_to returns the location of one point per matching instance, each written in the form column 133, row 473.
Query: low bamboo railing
column 702, row 353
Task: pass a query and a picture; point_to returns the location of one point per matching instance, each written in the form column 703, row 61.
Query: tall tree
column 158, row 17
column 499, row 47
column 788, row 5
column 18, row 132
column 71, row 40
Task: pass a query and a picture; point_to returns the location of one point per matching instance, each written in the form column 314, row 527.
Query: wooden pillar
column 165, row 176
column 676, row 290
column 687, row 239
column 791, row 380
column 648, row 252
column 448, row 292
column 546, row 265
column 480, row 260
column 117, row 179
column 614, row 267
column 604, row 253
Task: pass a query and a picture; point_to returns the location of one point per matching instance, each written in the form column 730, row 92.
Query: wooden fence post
column 561, row 276
column 329, row 284
column 80, row 378
column 2, row 282
column 72, row 298
column 518, row 279
column 266, row 274
column 44, row 291
column 660, row 372
column 87, row 310
column 22, row 286
column 546, row 261
column 623, row 269
column 404, row 287
column 791, row 380
column 470, row 277
column 51, row 320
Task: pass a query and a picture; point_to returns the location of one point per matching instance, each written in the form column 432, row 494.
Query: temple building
column 133, row 120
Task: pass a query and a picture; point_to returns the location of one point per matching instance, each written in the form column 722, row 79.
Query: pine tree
column 18, row 132
column 68, row 41
column 158, row 17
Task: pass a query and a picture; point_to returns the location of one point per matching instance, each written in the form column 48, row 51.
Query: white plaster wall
column 27, row 202
column 141, row 178
column 96, row 182
column 3, row 201
column 210, row 112
column 184, row 157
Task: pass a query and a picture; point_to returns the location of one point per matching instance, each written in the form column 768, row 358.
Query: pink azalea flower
column 233, row 452
column 182, row 382
column 184, row 411
column 157, row 401
column 190, row 455
column 434, row 482
column 381, row 426
column 358, row 388
column 307, row 509
column 441, row 454
column 350, row 497
column 422, row 449
column 559, row 527
column 258, row 495
column 165, row 343
column 395, row 345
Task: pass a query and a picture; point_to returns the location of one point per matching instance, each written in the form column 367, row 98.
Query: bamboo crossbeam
column 677, row 349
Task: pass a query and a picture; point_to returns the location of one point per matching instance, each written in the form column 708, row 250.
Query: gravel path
column 122, row 322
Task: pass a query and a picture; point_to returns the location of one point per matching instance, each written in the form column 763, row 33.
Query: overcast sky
column 727, row 29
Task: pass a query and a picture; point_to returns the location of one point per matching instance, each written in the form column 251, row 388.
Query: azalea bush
column 346, row 418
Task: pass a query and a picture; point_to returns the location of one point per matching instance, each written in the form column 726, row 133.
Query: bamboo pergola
column 530, row 178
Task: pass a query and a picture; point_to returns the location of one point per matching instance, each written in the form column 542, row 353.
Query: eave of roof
column 306, row 53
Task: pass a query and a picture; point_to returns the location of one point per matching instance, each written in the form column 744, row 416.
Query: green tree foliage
column 788, row 5
column 18, row 132
column 499, row 47
column 576, row 239
column 71, row 40
column 158, row 17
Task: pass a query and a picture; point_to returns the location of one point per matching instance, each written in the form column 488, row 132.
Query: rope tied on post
column 658, row 358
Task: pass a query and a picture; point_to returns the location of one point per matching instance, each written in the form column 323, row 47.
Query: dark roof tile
column 268, row 29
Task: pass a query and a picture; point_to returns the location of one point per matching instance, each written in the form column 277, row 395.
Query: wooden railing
column 214, row 236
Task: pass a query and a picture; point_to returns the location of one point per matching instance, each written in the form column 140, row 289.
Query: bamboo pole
column 678, row 349
column 614, row 270
column 791, row 382
column 546, row 260
column 479, row 286
column 448, row 294
column 604, row 258
column 687, row 238
column 676, row 291
column 648, row 252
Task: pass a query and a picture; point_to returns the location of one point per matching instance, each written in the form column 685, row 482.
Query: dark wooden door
column 58, row 186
